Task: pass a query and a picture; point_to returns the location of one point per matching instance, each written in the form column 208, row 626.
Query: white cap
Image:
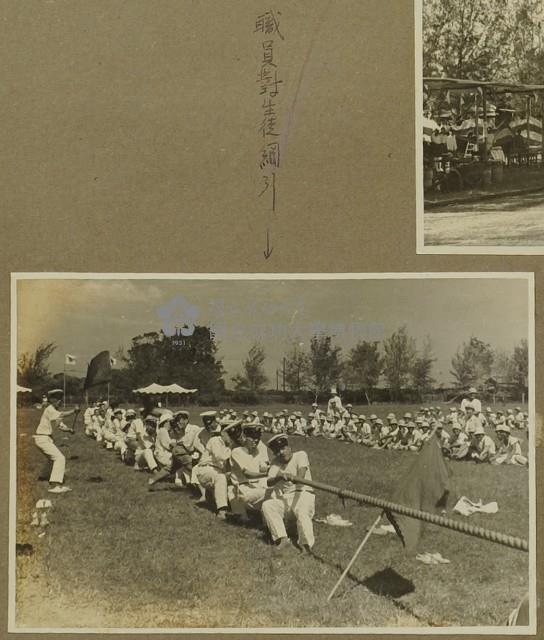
column 503, row 427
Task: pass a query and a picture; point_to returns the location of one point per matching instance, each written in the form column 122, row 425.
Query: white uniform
column 475, row 404
column 334, row 406
column 211, row 470
column 141, row 442
column 163, row 448
column 44, row 441
column 248, row 492
column 510, row 453
column 485, row 449
column 291, row 500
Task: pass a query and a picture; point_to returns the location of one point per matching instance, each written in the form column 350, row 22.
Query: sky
column 83, row 317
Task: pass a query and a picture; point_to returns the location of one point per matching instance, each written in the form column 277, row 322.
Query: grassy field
column 117, row 555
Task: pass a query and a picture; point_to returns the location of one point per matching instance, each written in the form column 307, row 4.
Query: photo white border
column 443, row 249
column 504, row 630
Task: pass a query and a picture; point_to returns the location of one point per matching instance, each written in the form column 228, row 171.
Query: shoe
column 35, row 522
column 59, row 489
column 426, row 558
column 438, row 557
column 305, row 549
column 221, row 515
column 283, row 544
column 43, row 520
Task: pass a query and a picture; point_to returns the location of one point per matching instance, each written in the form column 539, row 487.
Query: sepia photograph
column 479, row 133
column 285, row 453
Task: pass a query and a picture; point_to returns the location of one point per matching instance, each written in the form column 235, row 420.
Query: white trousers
column 144, row 457
column 211, row 478
column 247, row 496
column 299, row 505
column 46, row 445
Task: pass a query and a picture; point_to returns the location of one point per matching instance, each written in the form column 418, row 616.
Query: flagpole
column 355, row 555
column 64, row 385
column 108, row 394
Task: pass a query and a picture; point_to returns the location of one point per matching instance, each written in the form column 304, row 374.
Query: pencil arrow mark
column 269, row 249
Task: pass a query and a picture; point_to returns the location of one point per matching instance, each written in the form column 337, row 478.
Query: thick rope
column 462, row 527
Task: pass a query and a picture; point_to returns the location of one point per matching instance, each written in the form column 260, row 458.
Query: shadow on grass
column 387, row 583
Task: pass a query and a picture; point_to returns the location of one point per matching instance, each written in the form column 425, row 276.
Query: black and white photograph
column 286, row 453
column 479, row 133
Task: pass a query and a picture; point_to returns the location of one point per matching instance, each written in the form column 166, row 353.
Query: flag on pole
column 99, row 370
column 68, row 359
column 426, row 487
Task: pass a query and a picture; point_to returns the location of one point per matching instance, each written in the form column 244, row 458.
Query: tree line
column 398, row 363
column 484, row 39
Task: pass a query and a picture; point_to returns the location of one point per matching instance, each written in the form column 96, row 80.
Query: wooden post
column 484, row 126
column 355, row 556
column 477, row 122
column 528, row 128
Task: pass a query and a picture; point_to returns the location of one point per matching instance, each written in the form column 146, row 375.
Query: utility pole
column 283, row 374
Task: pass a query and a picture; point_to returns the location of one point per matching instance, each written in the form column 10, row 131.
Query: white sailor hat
column 278, row 442
column 373, row 417
column 130, row 413
column 479, row 431
column 253, row 430
column 231, row 426
column 472, row 390
column 208, row 414
column 165, row 417
column 55, row 393
column 182, row 414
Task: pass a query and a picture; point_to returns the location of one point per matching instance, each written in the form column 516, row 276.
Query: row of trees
column 193, row 361
column 484, row 39
column 397, row 360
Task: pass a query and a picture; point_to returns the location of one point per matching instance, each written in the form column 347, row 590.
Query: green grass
column 116, row 555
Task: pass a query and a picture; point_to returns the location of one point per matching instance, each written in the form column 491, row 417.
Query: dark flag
column 426, row 487
column 99, row 370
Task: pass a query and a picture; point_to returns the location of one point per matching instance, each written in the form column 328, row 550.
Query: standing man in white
column 472, row 401
column 43, row 439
